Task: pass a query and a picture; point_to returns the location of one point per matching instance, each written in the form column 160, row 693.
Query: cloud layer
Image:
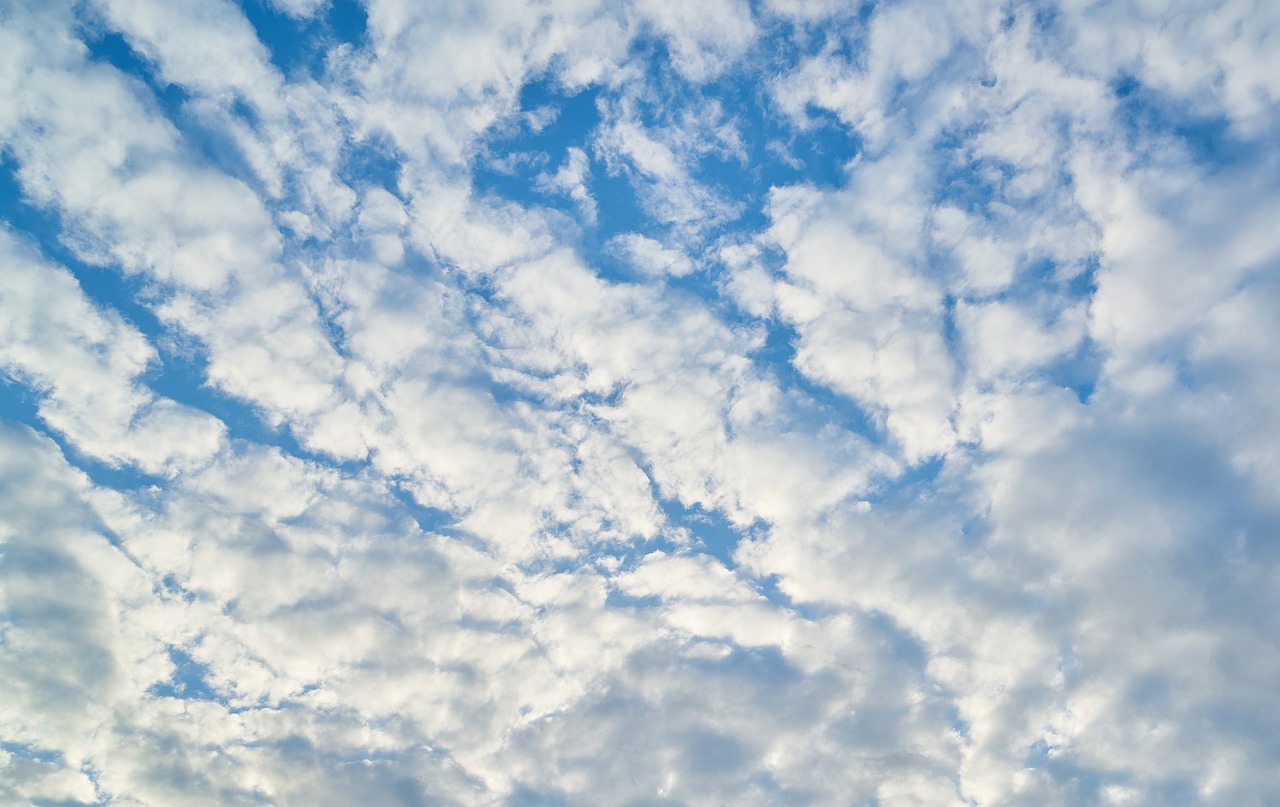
column 650, row 403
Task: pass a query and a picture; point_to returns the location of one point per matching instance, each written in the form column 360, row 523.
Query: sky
column 578, row 403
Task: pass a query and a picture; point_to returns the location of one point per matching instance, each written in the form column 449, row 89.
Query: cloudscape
column 665, row 402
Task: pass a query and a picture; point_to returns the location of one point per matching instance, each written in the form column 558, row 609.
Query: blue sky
column 648, row 403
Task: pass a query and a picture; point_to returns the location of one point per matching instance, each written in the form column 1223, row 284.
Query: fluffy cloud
column 85, row 364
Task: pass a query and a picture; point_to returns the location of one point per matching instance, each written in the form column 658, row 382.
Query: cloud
column 659, row 162
column 86, row 366
column 870, row 325
column 703, row 41
column 571, row 180
column 490, row 410
column 650, row 257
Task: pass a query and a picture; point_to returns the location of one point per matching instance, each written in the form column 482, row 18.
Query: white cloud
column 459, row 67
column 659, row 162
column 1000, row 530
column 870, row 325
column 571, row 180
column 85, row 364
column 704, row 39
column 300, row 9
column 650, row 257
column 1001, row 339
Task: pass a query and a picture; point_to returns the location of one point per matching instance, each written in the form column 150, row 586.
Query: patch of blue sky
column 1150, row 120
column 371, row 162
column 30, row 753
column 189, row 680
column 1078, row 371
column 915, row 481
column 300, row 47
column 523, row 796
column 958, row 724
column 619, row 210
column 709, row 531
column 817, row 154
column 901, row 644
column 706, row 532
column 921, row 478
column 550, row 121
column 575, row 111
column 950, row 332
column 170, row 587
column 972, row 533
column 1038, row 753
column 429, row 519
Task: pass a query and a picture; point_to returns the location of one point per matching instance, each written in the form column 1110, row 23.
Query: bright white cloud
column 85, row 364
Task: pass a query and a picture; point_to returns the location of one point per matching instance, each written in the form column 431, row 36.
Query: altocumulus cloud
column 639, row 403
